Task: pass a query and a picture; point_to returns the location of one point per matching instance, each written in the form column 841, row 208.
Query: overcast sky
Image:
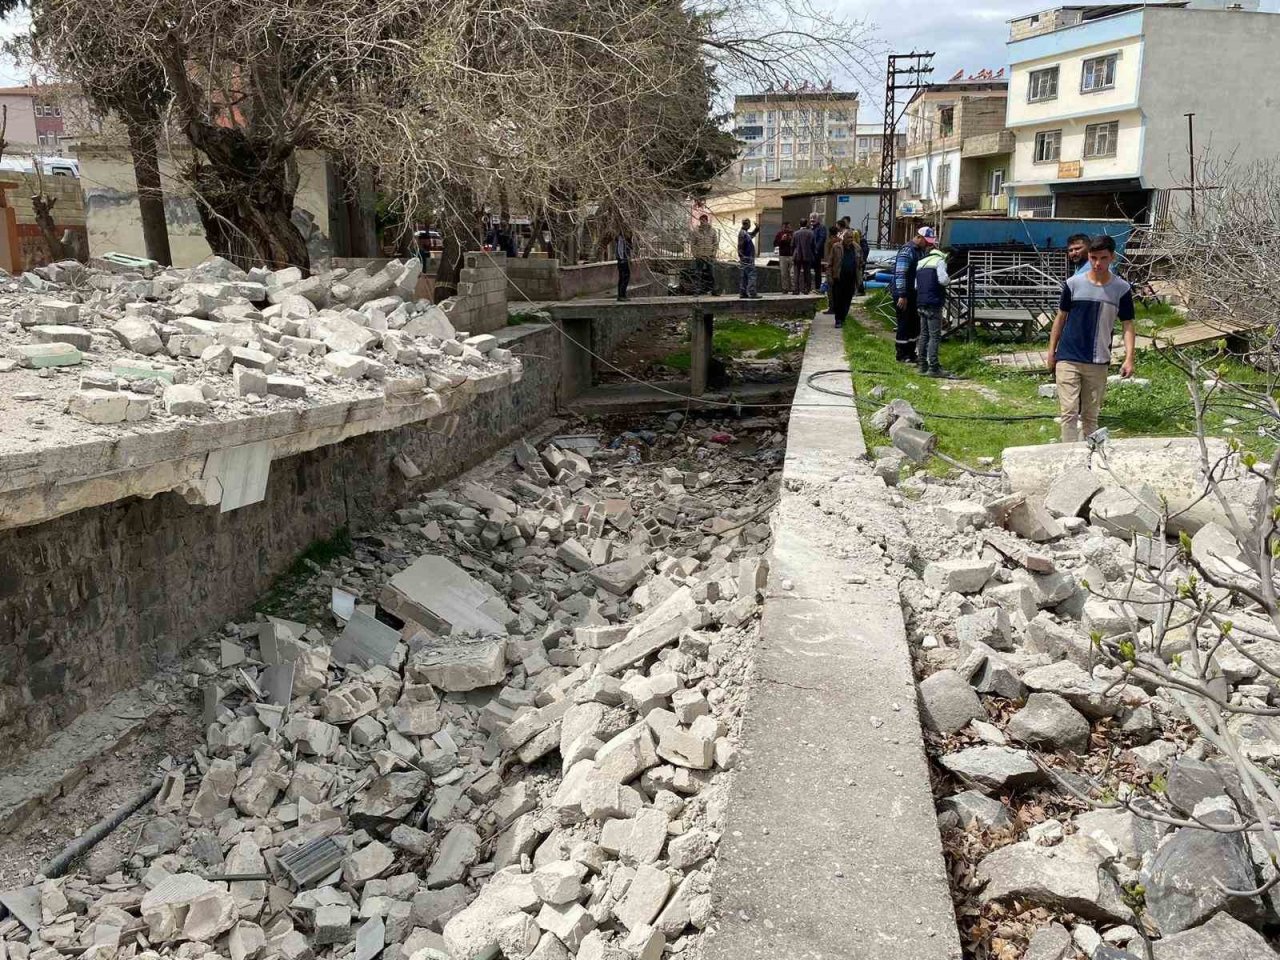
column 965, row 34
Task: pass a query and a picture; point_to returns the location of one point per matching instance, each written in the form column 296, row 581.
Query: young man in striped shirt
column 1080, row 342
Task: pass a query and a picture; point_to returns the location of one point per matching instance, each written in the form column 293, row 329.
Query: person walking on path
column 622, row 253
column 805, row 257
column 904, row 293
column 842, row 267
column 702, row 247
column 1080, row 341
column 931, row 299
column 747, row 260
column 785, row 242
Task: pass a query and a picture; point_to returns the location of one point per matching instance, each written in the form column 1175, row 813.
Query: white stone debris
column 516, row 745
column 228, row 343
column 1020, row 713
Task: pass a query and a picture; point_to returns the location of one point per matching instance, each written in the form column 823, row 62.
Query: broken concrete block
column 569, row 922
column 659, row 627
column 1031, row 521
column 458, row 851
column 559, row 882
column 1125, row 514
column 645, row 897
column 185, row 906
column 41, row 355
column 78, row 337
column 185, row 400
column 370, row 861
column 958, row 576
column 961, row 516
column 620, row 576
column 249, row 381
column 989, row 625
column 948, row 703
column 440, row 595
column 1069, row 495
column 345, row 366
column 99, row 406
column 460, row 666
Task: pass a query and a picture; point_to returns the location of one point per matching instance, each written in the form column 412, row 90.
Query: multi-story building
column 1098, row 99
column 956, row 154
column 788, row 133
column 869, row 146
column 38, row 116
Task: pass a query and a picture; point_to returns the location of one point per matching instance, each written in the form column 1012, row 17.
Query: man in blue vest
column 931, row 300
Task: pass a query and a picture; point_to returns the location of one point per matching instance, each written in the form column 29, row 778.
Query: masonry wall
column 481, row 303
column 94, row 602
column 68, row 214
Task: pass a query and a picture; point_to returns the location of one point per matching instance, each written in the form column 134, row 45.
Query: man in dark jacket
column 904, row 293
column 805, row 256
column 783, row 240
column 864, row 248
column 820, row 249
column 622, row 253
column 747, row 260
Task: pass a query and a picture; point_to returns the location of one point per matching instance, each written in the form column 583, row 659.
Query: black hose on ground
column 78, row 847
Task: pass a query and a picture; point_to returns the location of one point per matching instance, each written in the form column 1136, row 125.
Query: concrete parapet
column 831, row 847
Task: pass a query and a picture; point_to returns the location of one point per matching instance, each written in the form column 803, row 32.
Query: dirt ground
column 173, row 731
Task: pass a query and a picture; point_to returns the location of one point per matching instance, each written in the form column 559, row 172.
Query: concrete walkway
column 831, row 848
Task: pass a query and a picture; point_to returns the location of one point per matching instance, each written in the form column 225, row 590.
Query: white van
column 49, row 166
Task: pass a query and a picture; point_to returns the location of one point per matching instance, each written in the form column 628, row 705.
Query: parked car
column 49, row 166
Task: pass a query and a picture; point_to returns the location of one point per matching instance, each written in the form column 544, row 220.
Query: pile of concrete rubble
column 218, row 340
column 513, row 746
column 1044, row 752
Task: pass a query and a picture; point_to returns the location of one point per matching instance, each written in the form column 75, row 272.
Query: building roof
column 826, row 193
column 38, row 90
column 774, row 96
column 1093, row 11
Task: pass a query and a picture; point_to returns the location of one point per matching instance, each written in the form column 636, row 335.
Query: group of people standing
column 813, row 250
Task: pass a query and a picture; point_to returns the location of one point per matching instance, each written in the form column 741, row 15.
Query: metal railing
column 1006, row 294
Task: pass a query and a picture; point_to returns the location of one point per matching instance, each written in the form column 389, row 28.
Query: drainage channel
column 506, row 719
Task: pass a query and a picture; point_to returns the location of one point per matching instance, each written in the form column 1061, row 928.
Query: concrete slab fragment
column 440, row 595
column 242, row 471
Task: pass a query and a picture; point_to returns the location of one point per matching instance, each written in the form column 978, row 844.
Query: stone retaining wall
column 481, row 303
column 95, row 601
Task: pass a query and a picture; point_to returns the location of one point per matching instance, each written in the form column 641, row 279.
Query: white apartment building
column 1098, row 97
column 788, row 133
column 869, row 144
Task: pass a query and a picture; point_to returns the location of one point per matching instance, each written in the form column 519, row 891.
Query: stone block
column 948, row 703
column 1069, row 495
column 185, row 400
column 99, row 406
column 958, row 576
column 78, row 337
column 41, row 355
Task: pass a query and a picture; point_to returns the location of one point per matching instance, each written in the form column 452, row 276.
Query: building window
column 1035, row 206
column 39, row 109
column 944, row 179
column 1048, row 146
column 1100, row 139
column 1043, row 85
column 787, row 149
column 1099, row 73
column 751, row 118
column 917, row 181
column 997, row 182
column 770, row 170
column 57, row 111
column 946, row 121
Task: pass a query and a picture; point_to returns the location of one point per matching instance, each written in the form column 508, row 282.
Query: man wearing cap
column 904, row 293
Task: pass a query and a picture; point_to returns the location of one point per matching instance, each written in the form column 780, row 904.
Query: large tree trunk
column 146, row 173
column 42, row 207
column 459, row 227
column 249, row 220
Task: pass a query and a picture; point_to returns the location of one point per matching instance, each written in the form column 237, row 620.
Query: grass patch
column 320, row 553
column 742, row 338
column 1151, row 318
column 1004, row 396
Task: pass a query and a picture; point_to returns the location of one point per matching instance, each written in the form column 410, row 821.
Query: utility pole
column 1191, row 158
column 907, row 71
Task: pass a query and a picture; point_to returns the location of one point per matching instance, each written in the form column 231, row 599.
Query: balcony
column 996, row 203
column 933, row 146
column 988, row 145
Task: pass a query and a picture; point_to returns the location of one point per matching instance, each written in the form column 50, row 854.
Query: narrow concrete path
column 832, row 848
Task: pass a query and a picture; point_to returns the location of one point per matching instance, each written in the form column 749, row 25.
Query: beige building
column 763, row 205
column 114, row 223
column 788, row 133
column 42, row 118
column 1098, row 97
column 869, row 144
column 956, row 157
